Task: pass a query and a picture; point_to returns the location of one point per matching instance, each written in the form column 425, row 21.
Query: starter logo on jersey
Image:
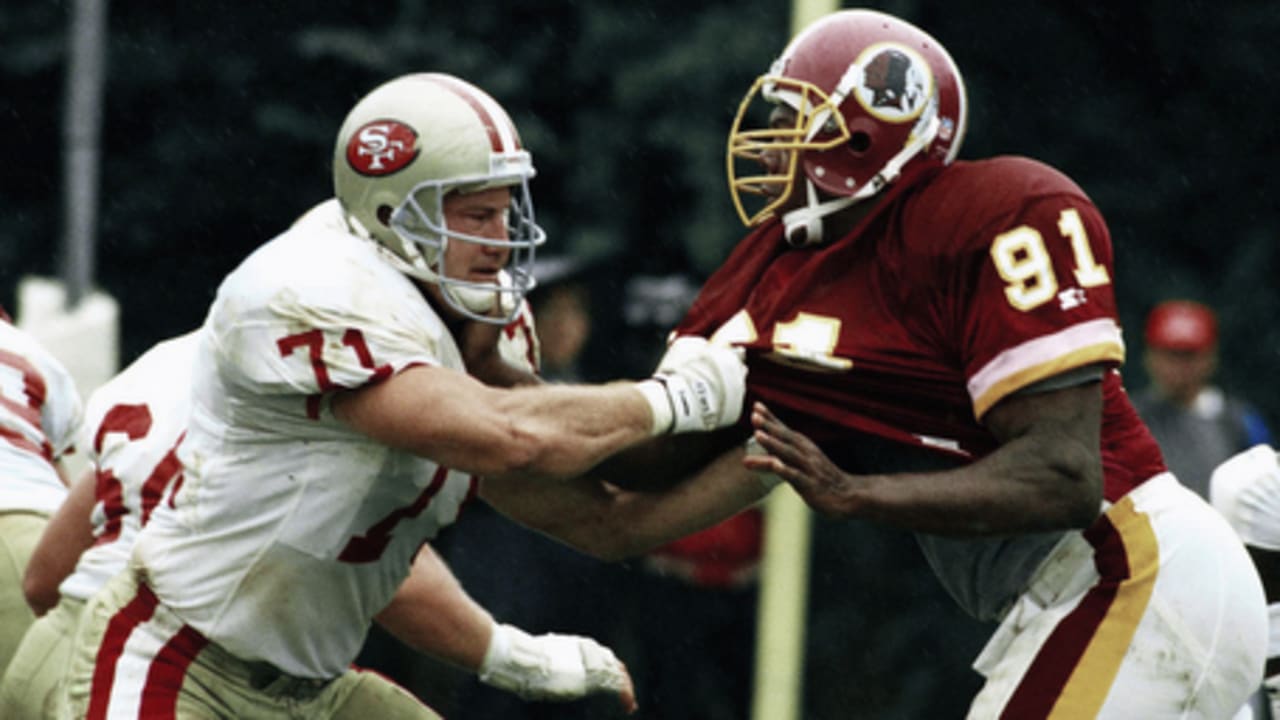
column 894, row 83
column 382, row 147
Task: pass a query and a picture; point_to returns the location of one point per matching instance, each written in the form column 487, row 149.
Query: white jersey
column 290, row 530
column 130, row 434
column 39, row 414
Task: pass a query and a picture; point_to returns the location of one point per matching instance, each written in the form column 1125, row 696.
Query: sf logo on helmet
column 896, row 83
column 382, row 147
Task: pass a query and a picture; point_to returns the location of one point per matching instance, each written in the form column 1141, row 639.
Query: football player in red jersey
column 933, row 344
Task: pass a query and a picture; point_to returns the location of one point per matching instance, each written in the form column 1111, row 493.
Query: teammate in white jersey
column 39, row 413
column 131, row 428
column 334, row 429
column 1246, row 490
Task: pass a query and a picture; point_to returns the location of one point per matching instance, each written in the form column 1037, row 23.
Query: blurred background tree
column 220, row 118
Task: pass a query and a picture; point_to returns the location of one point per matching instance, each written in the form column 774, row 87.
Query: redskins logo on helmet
column 382, row 147
column 895, row 85
column 866, row 95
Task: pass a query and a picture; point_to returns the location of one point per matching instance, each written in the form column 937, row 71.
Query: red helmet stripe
column 502, row 132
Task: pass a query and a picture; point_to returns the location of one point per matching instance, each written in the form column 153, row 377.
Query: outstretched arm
column 431, row 613
column 1046, row 474
column 548, row 430
column 601, row 519
column 68, row 534
column 460, row 423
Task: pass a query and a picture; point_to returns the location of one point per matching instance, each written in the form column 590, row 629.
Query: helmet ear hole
column 383, row 213
column 859, row 142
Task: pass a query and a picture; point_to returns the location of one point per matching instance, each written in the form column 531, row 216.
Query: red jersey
column 966, row 284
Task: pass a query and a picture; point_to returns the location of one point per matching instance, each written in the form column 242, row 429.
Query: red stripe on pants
column 1042, row 684
column 119, row 628
column 164, row 679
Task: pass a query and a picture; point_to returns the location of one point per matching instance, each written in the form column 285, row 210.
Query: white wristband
column 507, row 662
column 550, row 666
column 655, row 392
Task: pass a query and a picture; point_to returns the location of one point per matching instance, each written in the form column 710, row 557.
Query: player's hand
column 698, row 386
column 796, row 459
column 554, row 667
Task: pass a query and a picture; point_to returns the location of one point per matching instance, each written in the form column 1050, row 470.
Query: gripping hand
column 553, row 667
column 698, row 386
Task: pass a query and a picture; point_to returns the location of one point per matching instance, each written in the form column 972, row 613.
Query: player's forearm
column 1046, row 474
column 68, row 534
column 451, row 418
column 563, row 431
column 431, row 613
column 614, row 524
column 1022, row 487
column 698, row 387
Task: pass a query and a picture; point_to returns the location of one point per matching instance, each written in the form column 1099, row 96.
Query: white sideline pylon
column 85, row 338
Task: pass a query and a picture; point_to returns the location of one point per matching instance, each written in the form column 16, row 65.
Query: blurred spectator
column 1196, row 424
column 562, row 314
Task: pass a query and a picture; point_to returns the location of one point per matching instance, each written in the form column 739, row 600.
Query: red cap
column 1182, row 325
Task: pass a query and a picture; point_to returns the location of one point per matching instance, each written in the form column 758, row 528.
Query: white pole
column 81, row 129
column 78, row 325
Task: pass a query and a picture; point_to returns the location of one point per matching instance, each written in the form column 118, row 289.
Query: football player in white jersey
column 1246, row 490
column 132, row 427
column 334, row 429
column 39, row 413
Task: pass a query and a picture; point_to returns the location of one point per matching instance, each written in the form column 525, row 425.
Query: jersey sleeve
column 1041, row 299
column 314, row 338
column 63, row 412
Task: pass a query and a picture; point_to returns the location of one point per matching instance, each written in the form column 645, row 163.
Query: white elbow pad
column 1246, row 490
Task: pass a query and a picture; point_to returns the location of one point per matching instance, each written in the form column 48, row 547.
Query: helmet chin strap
column 804, row 225
column 481, row 300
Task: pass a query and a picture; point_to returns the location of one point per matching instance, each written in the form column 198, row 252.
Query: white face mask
column 425, row 238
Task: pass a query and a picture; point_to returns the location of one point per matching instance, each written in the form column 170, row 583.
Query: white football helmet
column 406, row 145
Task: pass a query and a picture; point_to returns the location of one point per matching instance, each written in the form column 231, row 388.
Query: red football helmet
column 870, row 94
